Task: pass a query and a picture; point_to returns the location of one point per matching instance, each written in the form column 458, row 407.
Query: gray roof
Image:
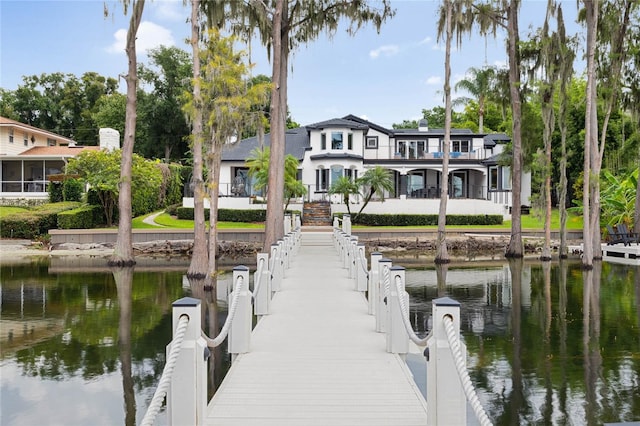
column 431, row 132
column 369, row 124
column 493, row 139
column 336, row 155
column 339, row 122
column 296, row 143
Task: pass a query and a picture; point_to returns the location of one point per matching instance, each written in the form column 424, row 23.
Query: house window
column 372, row 142
column 323, row 141
column 411, row 149
column 352, row 174
column 51, row 142
column 459, row 146
column 336, row 173
column 25, row 139
column 336, row 140
column 493, row 178
column 10, row 135
column 350, row 141
column 506, row 178
column 322, row 179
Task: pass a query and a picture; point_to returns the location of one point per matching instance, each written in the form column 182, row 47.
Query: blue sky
column 386, row 77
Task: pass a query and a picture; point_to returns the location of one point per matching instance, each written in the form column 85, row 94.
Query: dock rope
column 469, row 390
column 405, row 315
column 167, row 372
column 256, row 285
column 363, row 264
column 212, row 343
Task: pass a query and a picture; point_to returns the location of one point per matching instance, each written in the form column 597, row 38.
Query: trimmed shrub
column 55, row 192
column 423, row 219
column 81, row 218
column 34, row 223
column 225, row 215
column 72, row 190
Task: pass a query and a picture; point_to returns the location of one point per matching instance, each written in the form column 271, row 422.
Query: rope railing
column 257, row 285
column 469, row 390
column 405, row 317
column 363, row 265
column 167, row 372
column 212, row 343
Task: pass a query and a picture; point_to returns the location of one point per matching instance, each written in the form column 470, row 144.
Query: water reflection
column 123, row 278
column 548, row 343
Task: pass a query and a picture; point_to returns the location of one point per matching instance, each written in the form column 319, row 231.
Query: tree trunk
column 549, row 124
column 590, row 113
column 213, row 186
column 199, row 257
column 441, row 243
column 274, row 225
column 123, row 251
column 515, row 248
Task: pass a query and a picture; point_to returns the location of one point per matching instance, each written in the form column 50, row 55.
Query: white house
column 348, row 146
column 28, row 156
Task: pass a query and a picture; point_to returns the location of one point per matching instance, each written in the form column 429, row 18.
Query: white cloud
column 500, row 64
column 433, row 80
column 426, row 40
column 150, row 35
column 170, row 10
column 364, row 117
column 386, row 50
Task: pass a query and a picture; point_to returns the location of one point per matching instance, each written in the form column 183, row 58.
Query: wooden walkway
column 316, row 359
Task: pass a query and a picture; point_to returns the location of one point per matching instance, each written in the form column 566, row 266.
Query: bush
column 72, row 190
column 423, row 219
column 34, row 223
column 81, row 218
column 225, row 215
column 55, row 192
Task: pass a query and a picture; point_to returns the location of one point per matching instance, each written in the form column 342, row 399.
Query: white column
column 240, row 331
column 372, row 295
column 382, row 305
column 445, row 395
column 187, row 394
column 397, row 337
column 263, row 294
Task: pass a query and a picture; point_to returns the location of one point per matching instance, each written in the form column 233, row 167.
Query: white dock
column 316, row 359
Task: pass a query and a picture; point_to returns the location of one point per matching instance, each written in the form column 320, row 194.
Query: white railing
column 184, row 378
column 167, row 373
column 445, row 352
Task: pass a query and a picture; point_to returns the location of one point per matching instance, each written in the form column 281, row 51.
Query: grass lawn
column 530, row 221
column 167, row 221
column 6, row 211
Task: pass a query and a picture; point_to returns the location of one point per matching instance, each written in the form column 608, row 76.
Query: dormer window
column 336, row 140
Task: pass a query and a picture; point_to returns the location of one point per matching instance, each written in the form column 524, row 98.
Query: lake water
column 547, row 344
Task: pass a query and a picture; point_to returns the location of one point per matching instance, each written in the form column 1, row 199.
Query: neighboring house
column 28, row 156
column 349, row 146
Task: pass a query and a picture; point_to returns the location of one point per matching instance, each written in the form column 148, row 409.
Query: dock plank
column 316, row 358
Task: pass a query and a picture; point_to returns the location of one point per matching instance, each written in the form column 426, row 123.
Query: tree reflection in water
column 124, row 282
column 212, row 323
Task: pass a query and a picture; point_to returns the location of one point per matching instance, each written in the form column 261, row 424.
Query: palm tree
column 478, row 82
column 375, row 180
column 283, row 25
column 345, row 187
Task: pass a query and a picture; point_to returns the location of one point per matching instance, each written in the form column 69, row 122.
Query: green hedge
column 34, row 223
column 225, row 215
column 81, row 218
column 423, row 219
column 229, row 215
